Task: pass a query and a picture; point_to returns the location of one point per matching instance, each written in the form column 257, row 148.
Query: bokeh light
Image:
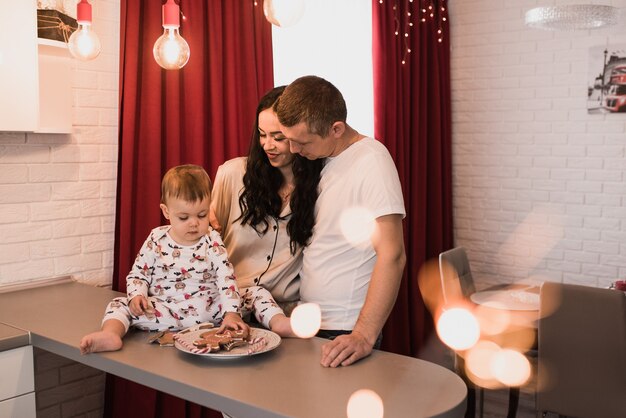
column 493, row 318
column 306, row 320
column 458, row 328
column 365, row 403
column 429, row 283
column 283, row 13
column 489, row 339
column 357, row 225
column 510, row 367
column 479, row 358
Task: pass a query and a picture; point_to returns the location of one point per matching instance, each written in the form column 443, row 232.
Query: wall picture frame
column 606, row 90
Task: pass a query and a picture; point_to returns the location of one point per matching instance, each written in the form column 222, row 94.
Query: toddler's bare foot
column 100, row 341
column 281, row 325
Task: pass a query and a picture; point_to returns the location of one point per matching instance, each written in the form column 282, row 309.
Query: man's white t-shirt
column 357, row 186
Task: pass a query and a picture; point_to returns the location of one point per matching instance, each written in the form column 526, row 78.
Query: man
column 354, row 281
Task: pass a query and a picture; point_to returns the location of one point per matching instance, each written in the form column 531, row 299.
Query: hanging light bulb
column 84, row 44
column 171, row 51
column 283, row 13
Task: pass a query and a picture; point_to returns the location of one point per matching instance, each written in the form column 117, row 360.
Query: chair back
column 582, row 367
column 457, row 258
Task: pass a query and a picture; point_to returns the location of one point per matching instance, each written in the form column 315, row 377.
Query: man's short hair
column 312, row 100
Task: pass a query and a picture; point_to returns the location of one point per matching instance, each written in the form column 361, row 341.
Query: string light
column 428, row 13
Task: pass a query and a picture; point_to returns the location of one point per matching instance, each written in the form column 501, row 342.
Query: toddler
column 181, row 276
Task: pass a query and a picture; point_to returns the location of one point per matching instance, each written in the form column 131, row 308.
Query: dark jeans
column 331, row 334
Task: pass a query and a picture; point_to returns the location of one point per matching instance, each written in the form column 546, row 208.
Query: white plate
column 184, row 342
column 512, row 300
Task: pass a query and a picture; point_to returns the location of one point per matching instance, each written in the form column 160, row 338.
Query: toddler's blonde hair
column 188, row 182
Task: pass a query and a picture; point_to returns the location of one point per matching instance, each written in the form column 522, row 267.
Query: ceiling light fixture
column 572, row 17
column 171, row 51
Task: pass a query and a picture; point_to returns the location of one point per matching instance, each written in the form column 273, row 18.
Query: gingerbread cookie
column 211, row 340
column 238, row 338
column 164, row 338
column 226, row 340
column 237, row 334
column 167, row 339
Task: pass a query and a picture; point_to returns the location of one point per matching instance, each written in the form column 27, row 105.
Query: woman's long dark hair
column 261, row 182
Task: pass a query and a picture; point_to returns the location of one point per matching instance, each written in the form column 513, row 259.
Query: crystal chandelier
column 572, row 17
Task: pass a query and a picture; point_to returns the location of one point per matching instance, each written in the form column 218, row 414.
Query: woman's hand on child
column 232, row 320
column 139, row 305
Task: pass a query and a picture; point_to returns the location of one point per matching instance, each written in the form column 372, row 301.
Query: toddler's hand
column 232, row 320
column 139, row 305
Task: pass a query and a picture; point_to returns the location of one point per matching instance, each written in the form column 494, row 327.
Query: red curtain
column 202, row 114
column 412, row 117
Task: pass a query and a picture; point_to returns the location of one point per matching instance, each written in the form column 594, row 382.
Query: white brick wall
column 57, row 210
column 539, row 185
column 57, row 192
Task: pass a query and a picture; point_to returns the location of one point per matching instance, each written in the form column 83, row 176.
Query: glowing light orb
column 458, row 328
column 510, row 367
column 283, row 13
column 84, row 44
column 357, row 225
column 170, row 50
column 479, row 358
column 365, row 403
column 306, row 320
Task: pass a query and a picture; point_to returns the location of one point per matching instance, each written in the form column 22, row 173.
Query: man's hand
column 345, row 350
column 140, row 305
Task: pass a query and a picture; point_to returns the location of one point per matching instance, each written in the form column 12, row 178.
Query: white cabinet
column 55, row 90
column 19, row 407
column 35, row 91
column 17, row 386
column 19, row 70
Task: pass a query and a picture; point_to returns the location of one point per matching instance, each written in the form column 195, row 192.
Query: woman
column 264, row 206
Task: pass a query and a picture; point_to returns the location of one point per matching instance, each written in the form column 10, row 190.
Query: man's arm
column 388, row 243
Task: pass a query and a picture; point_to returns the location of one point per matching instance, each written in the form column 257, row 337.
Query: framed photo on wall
column 606, row 90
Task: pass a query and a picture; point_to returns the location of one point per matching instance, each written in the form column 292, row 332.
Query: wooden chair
column 582, row 351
